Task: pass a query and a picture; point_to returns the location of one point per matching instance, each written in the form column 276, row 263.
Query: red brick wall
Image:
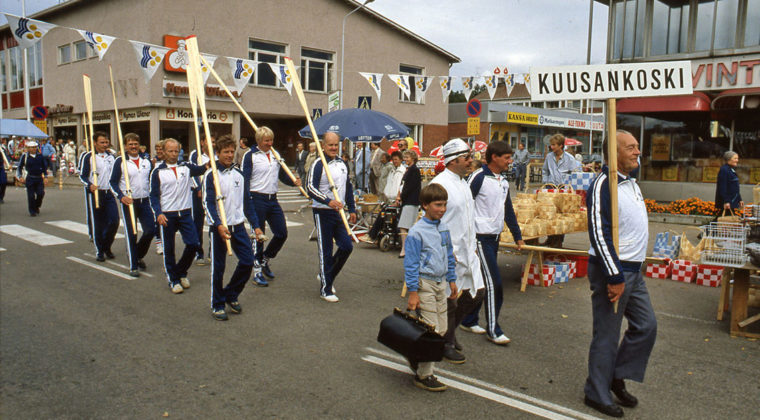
column 435, row 135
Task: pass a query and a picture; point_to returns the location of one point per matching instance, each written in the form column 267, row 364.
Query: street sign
column 42, row 125
column 333, row 101
column 39, row 112
column 316, row 113
column 473, row 126
column 606, row 81
column 473, row 108
column 365, row 102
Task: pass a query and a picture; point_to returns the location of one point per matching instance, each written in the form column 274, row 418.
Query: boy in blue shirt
column 428, row 265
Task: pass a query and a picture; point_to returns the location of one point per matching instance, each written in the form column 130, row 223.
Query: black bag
column 412, row 337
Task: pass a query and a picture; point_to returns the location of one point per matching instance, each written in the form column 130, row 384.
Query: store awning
column 737, row 99
column 21, row 128
column 697, row 101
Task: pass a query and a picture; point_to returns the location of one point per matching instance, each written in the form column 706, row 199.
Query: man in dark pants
column 36, row 167
column 198, row 213
column 614, row 273
column 171, row 201
column 301, row 156
column 3, row 175
column 105, row 216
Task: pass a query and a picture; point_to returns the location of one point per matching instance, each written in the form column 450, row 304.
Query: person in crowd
column 35, row 180
column 393, row 184
column 409, row 197
column 402, row 145
column 238, row 206
column 522, row 159
column 81, row 150
column 460, row 217
column 429, row 265
column 351, row 168
column 240, row 151
column 198, row 213
column 264, row 172
column 615, row 276
column 311, row 157
column 493, row 207
column 361, row 165
column 48, row 153
column 727, row 195
column 70, row 151
column 157, row 160
column 301, row 156
column 327, row 219
column 171, row 201
column 105, row 215
column 557, row 167
column 385, row 171
column 144, row 153
column 375, row 166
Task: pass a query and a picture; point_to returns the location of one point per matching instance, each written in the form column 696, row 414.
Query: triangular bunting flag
column 527, row 81
column 27, row 31
column 149, row 57
column 402, row 81
column 468, row 84
column 283, row 75
column 98, row 42
column 242, row 70
column 446, row 86
column 509, row 81
column 491, row 83
column 374, row 80
column 421, row 85
column 204, row 70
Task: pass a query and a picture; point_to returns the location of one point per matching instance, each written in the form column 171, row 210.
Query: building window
column 416, row 133
column 670, row 23
column 3, row 77
column 629, row 28
column 316, row 70
column 64, row 54
column 266, row 52
column 17, row 68
column 752, row 31
column 80, row 50
column 34, row 64
column 412, row 71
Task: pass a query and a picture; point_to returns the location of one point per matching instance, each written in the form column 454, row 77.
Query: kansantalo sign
column 610, row 81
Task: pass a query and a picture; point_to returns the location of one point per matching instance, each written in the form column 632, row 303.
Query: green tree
column 458, row 95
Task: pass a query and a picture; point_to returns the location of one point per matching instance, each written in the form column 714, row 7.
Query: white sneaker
column 177, row 289
column 475, row 329
column 184, row 282
column 319, row 279
column 159, row 248
column 330, row 298
column 501, row 340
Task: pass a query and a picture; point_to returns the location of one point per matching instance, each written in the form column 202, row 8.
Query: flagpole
column 26, row 71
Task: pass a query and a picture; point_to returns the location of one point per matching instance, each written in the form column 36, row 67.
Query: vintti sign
column 611, row 81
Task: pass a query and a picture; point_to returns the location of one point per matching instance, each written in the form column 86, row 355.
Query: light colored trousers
column 433, row 311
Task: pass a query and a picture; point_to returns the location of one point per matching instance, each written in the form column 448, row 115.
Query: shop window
column 629, row 29
column 266, row 52
column 412, row 71
column 316, row 70
column 752, row 29
column 64, row 54
column 670, row 27
column 3, row 76
column 34, row 64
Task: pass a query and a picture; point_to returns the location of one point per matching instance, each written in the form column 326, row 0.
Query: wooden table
column 738, row 300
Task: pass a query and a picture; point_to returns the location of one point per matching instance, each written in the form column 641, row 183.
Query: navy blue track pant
column 199, row 217
column 88, row 212
column 488, row 248
column 136, row 249
column 330, row 227
column 35, row 192
column 268, row 209
column 181, row 221
column 105, row 220
column 3, row 182
column 241, row 246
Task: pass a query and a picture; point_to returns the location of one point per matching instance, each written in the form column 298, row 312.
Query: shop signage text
column 178, row 89
column 610, row 81
column 67, row 120
column 182, row 114
column 521, row 118
column 60, row 109
column 101, row 117
column 129, row 115
column 735, row 72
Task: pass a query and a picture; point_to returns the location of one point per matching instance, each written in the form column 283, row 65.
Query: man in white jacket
column 461, row 221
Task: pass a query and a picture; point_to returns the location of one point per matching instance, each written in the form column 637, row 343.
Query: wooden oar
column 648, row 260
column 124, row 169
column 197, row 79
column 192, row 86
column 93, row 160
column 253, row 125
column 305, row 107
column 612, row 178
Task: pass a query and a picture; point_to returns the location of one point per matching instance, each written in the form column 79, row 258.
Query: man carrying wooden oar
column 615, row 276
column 138, row 170
column 199, row 216
column 105, row 216
column 263, row 172
column 326, row 217
column 171, row 201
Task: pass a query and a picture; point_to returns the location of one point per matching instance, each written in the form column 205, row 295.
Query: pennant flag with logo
column 527, row 81
column 149, row 57
column 446, row 86
column 242, row 70
column 204, row 70
column 509, row 81
column 421, row 85
column 98, row 42
column 27, row 31
column 374, row 80
column 468, row 84
column 283, row 75
column 402, row 81
column 491, row 83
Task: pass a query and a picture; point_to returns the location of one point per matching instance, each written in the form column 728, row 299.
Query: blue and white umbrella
column 358, row 124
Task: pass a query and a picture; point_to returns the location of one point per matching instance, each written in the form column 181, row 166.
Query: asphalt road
column 78, row 342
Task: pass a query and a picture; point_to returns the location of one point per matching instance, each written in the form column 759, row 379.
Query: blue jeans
column 330, row 227
column 520, row 176
column 181, row 221
column 241, row 246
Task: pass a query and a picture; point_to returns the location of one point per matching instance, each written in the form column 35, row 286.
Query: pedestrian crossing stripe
column 33, row 236
column 2, row 249
column 75, row 227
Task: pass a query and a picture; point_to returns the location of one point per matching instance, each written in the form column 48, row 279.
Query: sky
column 484, row 34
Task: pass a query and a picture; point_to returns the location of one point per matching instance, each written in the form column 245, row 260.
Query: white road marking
column 101, row 268
column 142, row 273
column 33, row 236
column 75, row 227
column 506, row 391
column 2, row 249
column 687, row 318
column 470, row 389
